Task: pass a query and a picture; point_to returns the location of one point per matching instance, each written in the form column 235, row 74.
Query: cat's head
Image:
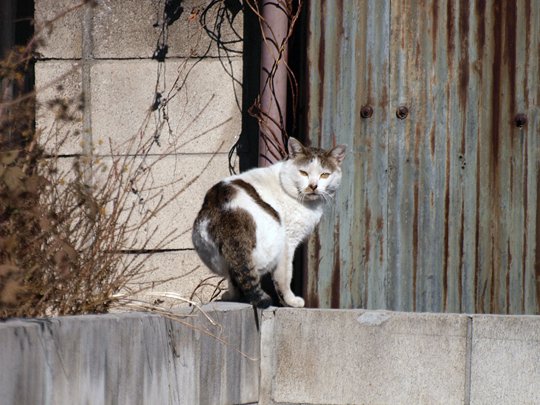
column 314, row 173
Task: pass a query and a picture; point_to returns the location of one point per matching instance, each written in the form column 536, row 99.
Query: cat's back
column 253, row 193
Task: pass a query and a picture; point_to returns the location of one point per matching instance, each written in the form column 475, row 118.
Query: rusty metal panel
column 347, row 256
column 439, row 207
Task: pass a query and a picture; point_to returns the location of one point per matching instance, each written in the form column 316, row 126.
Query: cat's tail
column 248, row 283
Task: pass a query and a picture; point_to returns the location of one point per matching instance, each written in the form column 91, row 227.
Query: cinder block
column 505, row 364
column 363, row 357
column 182, row 180
column 132, row 28
column 63, row 38
column 202, row 110
column 59, row 81
column 180, row 272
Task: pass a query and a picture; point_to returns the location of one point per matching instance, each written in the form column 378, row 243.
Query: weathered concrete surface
column 360, row 357
column 505, row 361
column 127, row 29
column 132, row 359
column 202, row 111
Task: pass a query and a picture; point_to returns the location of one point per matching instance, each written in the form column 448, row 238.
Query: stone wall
column 105, row 54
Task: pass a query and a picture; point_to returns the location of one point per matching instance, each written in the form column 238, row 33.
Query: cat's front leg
column 282, row 281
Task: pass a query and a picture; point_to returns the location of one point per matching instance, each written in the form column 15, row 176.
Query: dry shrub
column 62, row 237
column 70, row 226
column 66, row 224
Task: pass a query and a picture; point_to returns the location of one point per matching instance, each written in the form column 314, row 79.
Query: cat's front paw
column 295, row 302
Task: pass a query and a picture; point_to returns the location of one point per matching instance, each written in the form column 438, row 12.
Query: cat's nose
column 313, row 187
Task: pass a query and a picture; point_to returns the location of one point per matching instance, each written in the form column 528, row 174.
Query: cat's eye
column 325, row 175
column 303, row 173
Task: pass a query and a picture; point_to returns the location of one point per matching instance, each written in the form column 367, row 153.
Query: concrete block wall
column 105, row 54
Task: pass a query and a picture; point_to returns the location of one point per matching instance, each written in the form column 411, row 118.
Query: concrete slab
column 363, row 357
column 202, row 110
column 505, row 360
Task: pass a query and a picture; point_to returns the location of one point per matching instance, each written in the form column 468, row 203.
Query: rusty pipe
column 273, row 80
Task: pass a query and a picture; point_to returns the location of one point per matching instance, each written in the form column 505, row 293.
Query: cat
column 252, row 223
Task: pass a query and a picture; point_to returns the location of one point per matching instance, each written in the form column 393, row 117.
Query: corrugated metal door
column 439, row 104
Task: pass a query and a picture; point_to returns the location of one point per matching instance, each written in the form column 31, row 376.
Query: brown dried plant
column 62, row 237
column 70, row 240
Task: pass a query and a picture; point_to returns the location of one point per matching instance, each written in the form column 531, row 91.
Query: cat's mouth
column 311, row 195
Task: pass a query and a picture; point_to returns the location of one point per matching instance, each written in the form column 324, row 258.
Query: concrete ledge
column 132, row 358
column 307, row 356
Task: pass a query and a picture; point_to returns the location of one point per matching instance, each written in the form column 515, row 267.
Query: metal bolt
column 366, row 111
column 520, row 120
column 402, row 112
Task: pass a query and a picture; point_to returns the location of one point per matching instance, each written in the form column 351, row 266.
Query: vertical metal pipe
column 273, row 82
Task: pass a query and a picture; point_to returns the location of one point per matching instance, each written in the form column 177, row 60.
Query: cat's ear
column 338, row 153
column 294, row 147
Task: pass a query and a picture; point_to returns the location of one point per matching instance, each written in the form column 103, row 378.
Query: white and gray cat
column 252, row 223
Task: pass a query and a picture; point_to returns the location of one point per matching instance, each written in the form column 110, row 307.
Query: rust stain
column 537, row 253
column 461, row 252
column 435, row 25
column 432, row 142
column 415, row 242
column 496, row 87
column 380, row 226
column 446, row 225
column 464, row 59
column 450, row 33
column 526, row 219
column 367, row 241
column 508, row 270
column 320, row 66
column 504, row 33
column 339, row 13
column 336, row 270
column 476, row 286
column 312, row 274
column 494, row 272
column 510, row 49
column 480, row 11
column 528, row 41
column 367, row 251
